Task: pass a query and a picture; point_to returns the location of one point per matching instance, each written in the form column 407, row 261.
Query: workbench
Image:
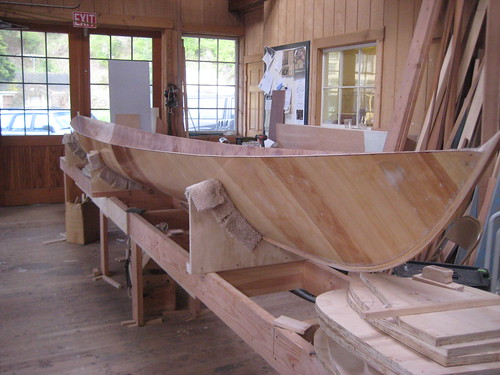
column 211, row 268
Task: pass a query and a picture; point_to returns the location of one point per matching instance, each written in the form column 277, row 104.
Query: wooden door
column 254, row 114
column 29, row 170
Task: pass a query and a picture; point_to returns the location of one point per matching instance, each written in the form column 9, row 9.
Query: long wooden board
column 352, row 211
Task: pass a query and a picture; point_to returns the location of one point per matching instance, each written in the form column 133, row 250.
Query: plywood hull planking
column 362, row 212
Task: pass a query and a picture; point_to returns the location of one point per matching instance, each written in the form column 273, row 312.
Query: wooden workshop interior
column 110, row 265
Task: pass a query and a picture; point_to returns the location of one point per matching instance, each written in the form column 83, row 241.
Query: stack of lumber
column 453, row 115
column 466, row 61
column 424, row 328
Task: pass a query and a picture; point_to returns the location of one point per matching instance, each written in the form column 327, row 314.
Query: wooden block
column 291, row 324
column 453, row 286
column 438, row 274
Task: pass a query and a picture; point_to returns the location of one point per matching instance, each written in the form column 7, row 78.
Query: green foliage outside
column 7, row 68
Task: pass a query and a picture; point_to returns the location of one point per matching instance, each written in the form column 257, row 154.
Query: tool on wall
column 171, row 103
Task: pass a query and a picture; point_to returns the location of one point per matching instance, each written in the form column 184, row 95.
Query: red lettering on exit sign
column 85, row 19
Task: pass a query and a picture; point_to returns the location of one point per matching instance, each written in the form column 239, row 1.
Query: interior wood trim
column 317, row 47
column 252, row 58
column 364, row 36
column 31, row 140
column 64, row 17
column 213, row 29
column 34, row 196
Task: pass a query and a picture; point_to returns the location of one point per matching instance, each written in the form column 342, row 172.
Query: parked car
column 35, row 122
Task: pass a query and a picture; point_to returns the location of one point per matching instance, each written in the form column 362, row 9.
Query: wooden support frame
column 226, row 293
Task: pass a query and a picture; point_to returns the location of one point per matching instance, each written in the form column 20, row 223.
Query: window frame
column 33, row 113
column 236, row 82
column 79, row 61
column 342, row 86
column 320, row 45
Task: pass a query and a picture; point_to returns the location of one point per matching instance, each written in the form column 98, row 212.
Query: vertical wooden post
column 194, row 306
column 137, row 283
column 103, row 222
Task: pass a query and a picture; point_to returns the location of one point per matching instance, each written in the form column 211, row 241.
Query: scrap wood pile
column 453, row 117
column 466, row 60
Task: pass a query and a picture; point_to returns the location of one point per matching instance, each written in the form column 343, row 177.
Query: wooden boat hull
column 362, row 212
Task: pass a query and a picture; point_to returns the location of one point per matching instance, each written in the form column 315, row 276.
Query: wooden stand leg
column 105, row 274
column 137, row 284
column 194, row 305
column 103, row 220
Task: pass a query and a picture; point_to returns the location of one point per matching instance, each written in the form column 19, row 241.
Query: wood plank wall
column 29, row 170
column 289, row 21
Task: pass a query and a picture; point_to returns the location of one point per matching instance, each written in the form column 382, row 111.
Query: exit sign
column 85, row 19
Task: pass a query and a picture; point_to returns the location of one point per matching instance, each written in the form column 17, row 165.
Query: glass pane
column 366, row 105
column 100, row 47
column 35, row 96
column 192, row 95
column 194, row 122
column 331, row 69
column 33, row 43
column 39, row 123
column 349, row 76
column 103, row 115
column 60, row 122
column 227, row 74
column 192, row 72
column 227, row 50
column 10, row 42
column 208, row 120
column 225, row 120
column 12, row 95
column 59, row 97
column 35, row 70
column 12, row 122
column 367, row 66
column 349, row 105
column 191, row 48
column 208, row 49
column 16, row 125
column 208, row 73
column 143, row 49
column 10, row 69
column 208, row 97
column 57, row 45
column 99, row 71
column 330, row 109
column 99, row 96
column 58, row 70
column 226, row 97
column 121, row 47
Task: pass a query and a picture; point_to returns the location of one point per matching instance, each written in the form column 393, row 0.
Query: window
column 348, row 85
column 34, row 83
column 112, row 47
column 211, row 83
